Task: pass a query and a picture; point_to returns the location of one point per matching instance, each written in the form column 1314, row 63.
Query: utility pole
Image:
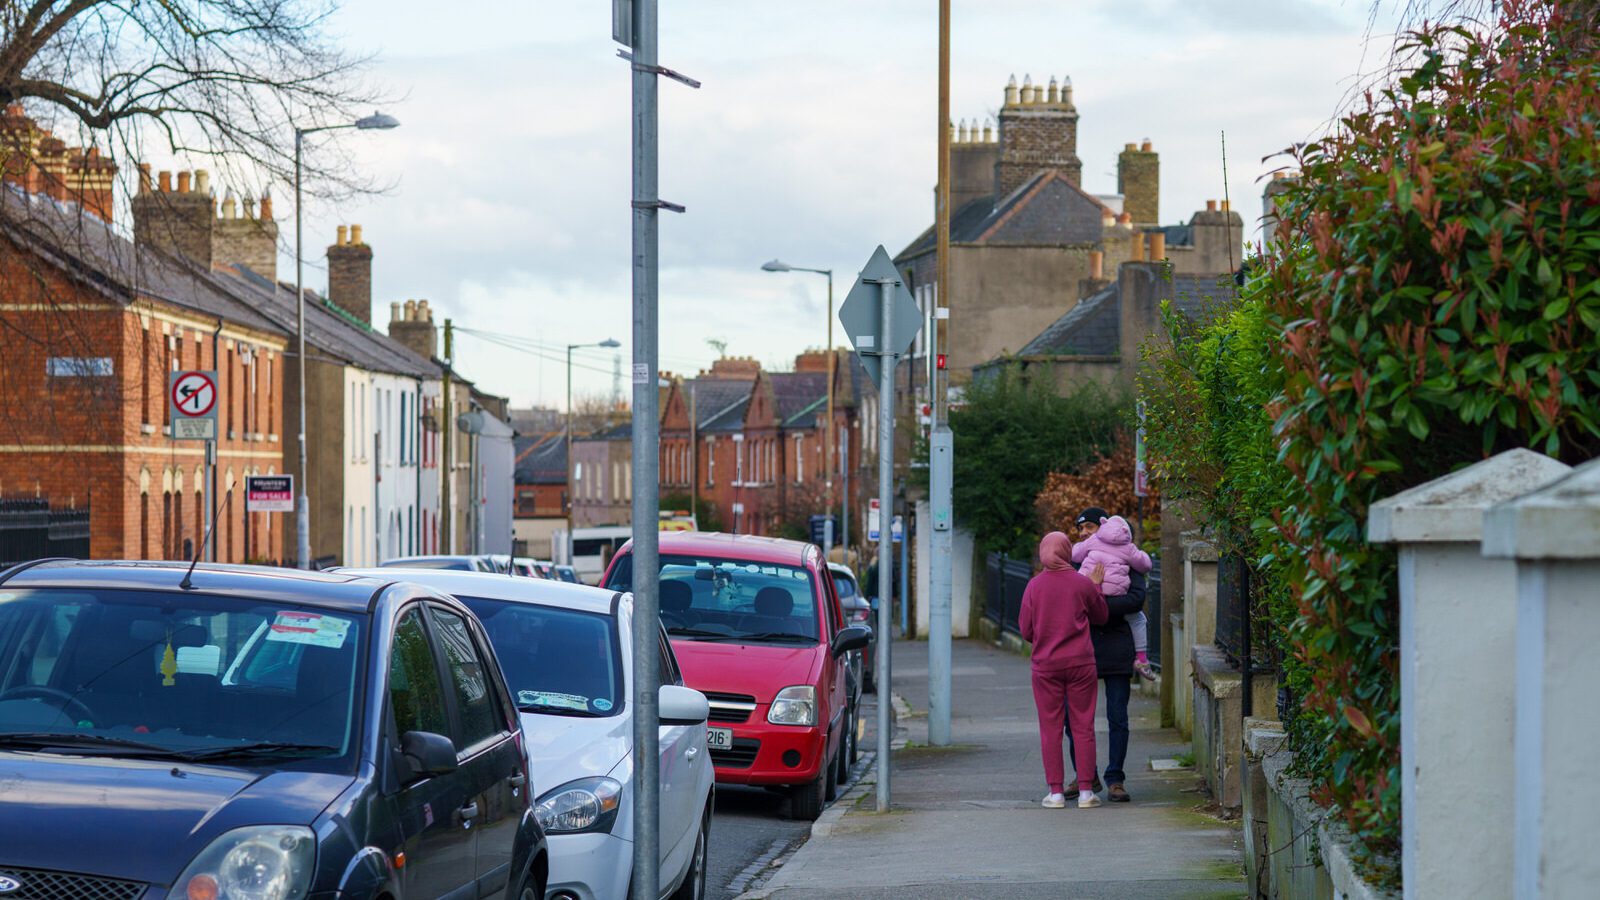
column 447, row 468
column 940, row 441
column 886, row 361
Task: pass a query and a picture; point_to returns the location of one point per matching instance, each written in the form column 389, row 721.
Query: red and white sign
column 192, row 399
column 269, row 493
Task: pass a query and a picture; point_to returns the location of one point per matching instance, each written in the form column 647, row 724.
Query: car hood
column 564, row 748
column 758, row 669
column 146, row 819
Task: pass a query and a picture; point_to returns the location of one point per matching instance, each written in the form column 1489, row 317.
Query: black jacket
column 1113, row 641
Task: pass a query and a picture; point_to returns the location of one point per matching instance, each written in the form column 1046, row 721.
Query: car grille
column 742, row 756
column 39, row 884
column 731, row 707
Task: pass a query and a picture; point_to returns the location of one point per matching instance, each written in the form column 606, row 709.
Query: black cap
column 1092, row 516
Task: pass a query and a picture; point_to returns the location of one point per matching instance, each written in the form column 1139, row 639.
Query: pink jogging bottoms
column 1053, row 692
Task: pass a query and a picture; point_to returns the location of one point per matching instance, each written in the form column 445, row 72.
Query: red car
column 757, row 627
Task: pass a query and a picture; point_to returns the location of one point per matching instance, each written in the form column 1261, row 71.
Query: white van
column 592, row 549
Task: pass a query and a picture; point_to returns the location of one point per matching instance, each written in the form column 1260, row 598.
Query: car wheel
column 806, row 800
column 694, row 883
column 855, row 737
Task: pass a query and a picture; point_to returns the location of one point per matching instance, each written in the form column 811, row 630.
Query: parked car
column 528, row 567
column 567, row 651
column 254, row 733
column 857, row 611
column 457, row 562
column 566, row 573
column 757, row 626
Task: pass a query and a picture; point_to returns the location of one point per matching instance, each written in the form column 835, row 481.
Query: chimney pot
column 394, row 312
column 1211, row 206
column 411, row 311
column 988, row 133
column 341, row 236
column 183, row 182
column 202, row 181
column 1158, row 245
column 355, row 234
column 961, row 133
column 1224, row 206
column 144, row 178
column 249, row 207
column 1054, row 95
column 1130, row 147
column 1097, row 263
column 424, row 314
column 165, row 180
column 230, row 206
column 266, row 206
column 1011, row 91
column 1107, row 218
column 1146, row 147
column 1136, row 249
column 1126, row 219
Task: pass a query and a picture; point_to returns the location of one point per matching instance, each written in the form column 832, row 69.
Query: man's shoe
column 1118, row 794
column 1087, row 802
column 1054, row 801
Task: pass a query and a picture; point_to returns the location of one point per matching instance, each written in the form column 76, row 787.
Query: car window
column 556, row 661
column 182, row 671
column 469, row 680
column 415, row 693
column 669, row 662
column 713, row 598
column 845, row 585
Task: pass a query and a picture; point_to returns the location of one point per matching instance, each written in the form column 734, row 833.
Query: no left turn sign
column 192, row 398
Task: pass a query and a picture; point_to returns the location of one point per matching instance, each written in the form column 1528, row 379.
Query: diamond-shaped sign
column 862, row 317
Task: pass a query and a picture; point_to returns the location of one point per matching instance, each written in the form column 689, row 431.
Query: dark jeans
column 1119, row 688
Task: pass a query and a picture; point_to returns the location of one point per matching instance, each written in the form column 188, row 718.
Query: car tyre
column 694, row 883
column 806, row 800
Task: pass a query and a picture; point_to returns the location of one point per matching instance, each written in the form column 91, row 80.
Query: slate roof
column 1092, row 328
column 796, row 395
column 1046, row 209
column 622, row 431
column 541, row 458
column 332, row 331
column 730, row 419
column 108, row 262
column 715, row 399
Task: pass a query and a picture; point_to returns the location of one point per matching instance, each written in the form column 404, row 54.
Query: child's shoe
column 1144, row 670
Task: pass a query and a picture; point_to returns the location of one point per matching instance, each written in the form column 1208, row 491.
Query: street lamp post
column 609, row 344
column 827, row 433
column 379, row 122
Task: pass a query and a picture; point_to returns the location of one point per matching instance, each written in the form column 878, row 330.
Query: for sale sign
column 269, row 493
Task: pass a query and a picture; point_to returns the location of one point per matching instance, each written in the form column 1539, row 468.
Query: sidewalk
column 967, row 823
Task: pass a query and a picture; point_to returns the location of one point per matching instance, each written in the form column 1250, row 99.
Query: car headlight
column 585, row 805
column 795, row 705
column 260, row 862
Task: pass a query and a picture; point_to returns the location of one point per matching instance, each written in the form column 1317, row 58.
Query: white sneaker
column 1087, row 800
column 1054, row 801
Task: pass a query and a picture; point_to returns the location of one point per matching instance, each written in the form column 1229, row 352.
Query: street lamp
column 378, row 122
column 777, row 265
column 609, row 344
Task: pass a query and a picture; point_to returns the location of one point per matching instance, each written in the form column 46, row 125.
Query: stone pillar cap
column 1200, row 551
column 1560, row 520
column 1451, row 508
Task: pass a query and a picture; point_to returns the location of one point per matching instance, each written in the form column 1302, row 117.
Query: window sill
column 147, row 428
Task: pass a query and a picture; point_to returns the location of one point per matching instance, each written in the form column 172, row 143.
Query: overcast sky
column 812, row 140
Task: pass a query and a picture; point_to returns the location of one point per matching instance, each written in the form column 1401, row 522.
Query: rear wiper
column 261, row 748
column 551, row 709
column 769, row 636
column 79, row 740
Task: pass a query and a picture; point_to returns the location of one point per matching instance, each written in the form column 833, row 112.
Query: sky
column 812, row 140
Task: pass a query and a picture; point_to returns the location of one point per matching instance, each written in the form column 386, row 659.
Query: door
column 492, row 766
column 439, row 852
column 681, row 749
column 835, row 680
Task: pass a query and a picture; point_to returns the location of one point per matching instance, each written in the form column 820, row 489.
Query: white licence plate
column 719, row 738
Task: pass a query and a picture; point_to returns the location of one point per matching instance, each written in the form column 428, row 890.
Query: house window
column 799, row 458
column 711, row 461
column 738, row 461
column 144, row 401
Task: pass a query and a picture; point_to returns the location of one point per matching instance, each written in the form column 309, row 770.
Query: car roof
column 450, row 557
column 841, row 569
column 736, row 546
column 495, row 586
column 341, row 591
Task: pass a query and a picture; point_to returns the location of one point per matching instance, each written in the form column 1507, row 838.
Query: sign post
column 882, row 320
column 192, row 399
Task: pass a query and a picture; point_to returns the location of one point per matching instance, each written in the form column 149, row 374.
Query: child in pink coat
column 1109, row 542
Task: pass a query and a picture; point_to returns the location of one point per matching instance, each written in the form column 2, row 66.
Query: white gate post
column 1457, row 621
column 1554, row 536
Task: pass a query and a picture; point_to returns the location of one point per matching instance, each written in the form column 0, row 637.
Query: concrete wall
column 1003, row 296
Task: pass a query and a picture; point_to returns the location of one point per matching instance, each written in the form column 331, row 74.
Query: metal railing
column 1006, row 580
column 30, row 529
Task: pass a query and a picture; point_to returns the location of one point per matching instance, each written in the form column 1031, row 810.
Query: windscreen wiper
column 554, row 710
column 258, row 749
column 697, row 633
column 785, row 636
column 79, row 741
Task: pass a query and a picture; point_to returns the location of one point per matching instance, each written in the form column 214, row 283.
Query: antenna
column 199, row 551
column 1227, row 205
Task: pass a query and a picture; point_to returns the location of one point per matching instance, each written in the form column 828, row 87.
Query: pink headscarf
column 1055, row 551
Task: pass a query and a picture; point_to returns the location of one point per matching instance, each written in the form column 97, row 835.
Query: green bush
column 1010, row 433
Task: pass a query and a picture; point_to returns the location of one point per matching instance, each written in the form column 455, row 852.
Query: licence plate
column 719, row 738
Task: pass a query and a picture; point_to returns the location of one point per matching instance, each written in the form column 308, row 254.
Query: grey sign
column 193, row 399
column 862, row 320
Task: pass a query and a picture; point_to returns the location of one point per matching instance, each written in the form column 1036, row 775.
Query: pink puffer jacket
column 1111, row 546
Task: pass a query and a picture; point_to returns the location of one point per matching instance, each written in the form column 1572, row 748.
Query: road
column 751, row 828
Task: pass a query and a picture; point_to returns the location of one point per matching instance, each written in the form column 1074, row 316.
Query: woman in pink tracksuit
column 1110, row 543
column 1058, row 607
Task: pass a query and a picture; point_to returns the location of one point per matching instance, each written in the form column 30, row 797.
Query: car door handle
column 517, row 780
column 468, row 812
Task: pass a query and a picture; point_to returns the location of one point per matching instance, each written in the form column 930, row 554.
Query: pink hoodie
column 1058, row 606
column 1111, row 546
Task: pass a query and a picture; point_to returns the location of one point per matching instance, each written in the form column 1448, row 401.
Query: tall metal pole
column 572, row 486
column 827, row 440
column 939, row 474
column 302, row 519
column 447, row 424
column 694, row 456
column 646, row 474
column 844, row 505
column 886, row 363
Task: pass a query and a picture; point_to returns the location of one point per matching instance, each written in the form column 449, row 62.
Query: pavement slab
column 966, row 820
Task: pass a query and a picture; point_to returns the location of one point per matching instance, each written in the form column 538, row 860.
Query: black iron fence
column 1007, row 579
column 30, row 529
column 1152, row 613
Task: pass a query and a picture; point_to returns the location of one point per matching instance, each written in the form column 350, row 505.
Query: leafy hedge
column 1434, row 299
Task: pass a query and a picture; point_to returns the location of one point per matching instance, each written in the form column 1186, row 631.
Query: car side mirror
column 683, row 706
column 850, row 637
column 428, row 753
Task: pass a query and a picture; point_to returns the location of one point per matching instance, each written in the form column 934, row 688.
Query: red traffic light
column 941, row 361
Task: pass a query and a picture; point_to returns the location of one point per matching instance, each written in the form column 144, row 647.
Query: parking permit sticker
column 309, row 628
column 556, row 701
column 602, row 704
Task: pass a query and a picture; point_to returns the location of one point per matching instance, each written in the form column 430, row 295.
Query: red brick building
column 95, row 323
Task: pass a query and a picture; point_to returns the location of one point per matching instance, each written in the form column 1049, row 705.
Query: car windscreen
column 556, row 661
column 711, row 598
column 178, row 674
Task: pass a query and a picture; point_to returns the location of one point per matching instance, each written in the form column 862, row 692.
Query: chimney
column 178, row 222
column 1036, row 134
column 1158, row 245
column 414, row 328
column 202, row 181
column 1139, row 182
column 972, row 164
column 1097, row 264
column 91, row 181
column 350, row 275
column 249, row 240
column 741, row 368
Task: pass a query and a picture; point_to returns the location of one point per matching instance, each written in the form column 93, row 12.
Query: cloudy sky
column 811, row 140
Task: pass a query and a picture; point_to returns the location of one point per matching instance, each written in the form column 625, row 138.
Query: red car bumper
column 765, row 754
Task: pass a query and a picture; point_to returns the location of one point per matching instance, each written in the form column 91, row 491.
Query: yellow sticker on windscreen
column 314, row 629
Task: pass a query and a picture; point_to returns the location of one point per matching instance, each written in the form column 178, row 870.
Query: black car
column 254, row 733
